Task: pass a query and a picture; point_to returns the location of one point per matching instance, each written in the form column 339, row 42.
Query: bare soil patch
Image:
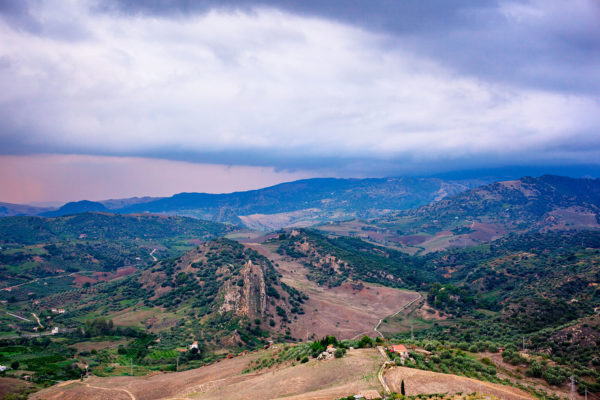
column 121, row 272
column 412, row 240
column 105, row 344
column 130, row 317
column 79, row 280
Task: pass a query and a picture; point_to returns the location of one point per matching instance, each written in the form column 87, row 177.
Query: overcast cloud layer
column 345, row 88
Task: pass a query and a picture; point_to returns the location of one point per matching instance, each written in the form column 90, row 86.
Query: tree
column 402, row 391
column 365, row 341
column 14, row 365
column 535, row 369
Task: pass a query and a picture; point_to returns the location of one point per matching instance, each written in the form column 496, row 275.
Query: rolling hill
column 9, row 209
column 76, row 207
column 484, row 214
column 68, row 251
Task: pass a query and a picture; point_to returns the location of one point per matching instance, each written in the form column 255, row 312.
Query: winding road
column 376, row 329
column 17, row 316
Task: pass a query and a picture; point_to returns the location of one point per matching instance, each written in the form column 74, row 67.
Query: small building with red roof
column 399, row 349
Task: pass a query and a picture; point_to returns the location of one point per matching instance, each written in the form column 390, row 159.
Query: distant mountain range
column 300, row 203
column 399, row 206
column 9, row 209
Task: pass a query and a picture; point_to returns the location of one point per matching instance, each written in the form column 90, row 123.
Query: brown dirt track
column 417, row 381
column 315, row 380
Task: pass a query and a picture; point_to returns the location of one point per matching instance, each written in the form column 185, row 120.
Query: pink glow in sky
column 25, row 179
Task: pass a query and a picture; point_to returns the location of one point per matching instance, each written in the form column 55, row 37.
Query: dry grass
column 418, row 381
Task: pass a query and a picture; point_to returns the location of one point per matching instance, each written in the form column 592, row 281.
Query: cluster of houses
column 328, row 354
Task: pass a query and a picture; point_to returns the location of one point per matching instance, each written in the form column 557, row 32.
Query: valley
column 500, row 297
column 299, row 200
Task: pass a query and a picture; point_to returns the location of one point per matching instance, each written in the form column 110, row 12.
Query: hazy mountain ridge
column 313, row 199
column 299, row 203
column 10, row 209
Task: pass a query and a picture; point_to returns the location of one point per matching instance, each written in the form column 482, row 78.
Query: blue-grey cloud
column 373, row 87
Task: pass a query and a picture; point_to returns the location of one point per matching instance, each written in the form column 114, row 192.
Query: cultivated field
column 315, row 380
column 418, row 381
column 418, row 316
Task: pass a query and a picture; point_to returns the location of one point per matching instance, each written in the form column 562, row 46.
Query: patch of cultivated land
column 105, row 344
column 418, row 381
column 315, row 380
column 154, row 319
column 347, row 311
column 418, row 316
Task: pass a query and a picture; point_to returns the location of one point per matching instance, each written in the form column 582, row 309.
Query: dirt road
column 376, row 329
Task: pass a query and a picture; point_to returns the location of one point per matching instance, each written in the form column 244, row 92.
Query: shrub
column 339, row 353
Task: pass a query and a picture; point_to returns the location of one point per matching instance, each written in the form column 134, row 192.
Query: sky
column 118, row 98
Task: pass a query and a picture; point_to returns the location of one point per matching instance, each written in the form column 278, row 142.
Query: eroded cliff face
column 232, row 294
column 246, row 295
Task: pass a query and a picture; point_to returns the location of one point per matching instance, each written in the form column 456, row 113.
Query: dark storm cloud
column 407, row 16
column 545, row 43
